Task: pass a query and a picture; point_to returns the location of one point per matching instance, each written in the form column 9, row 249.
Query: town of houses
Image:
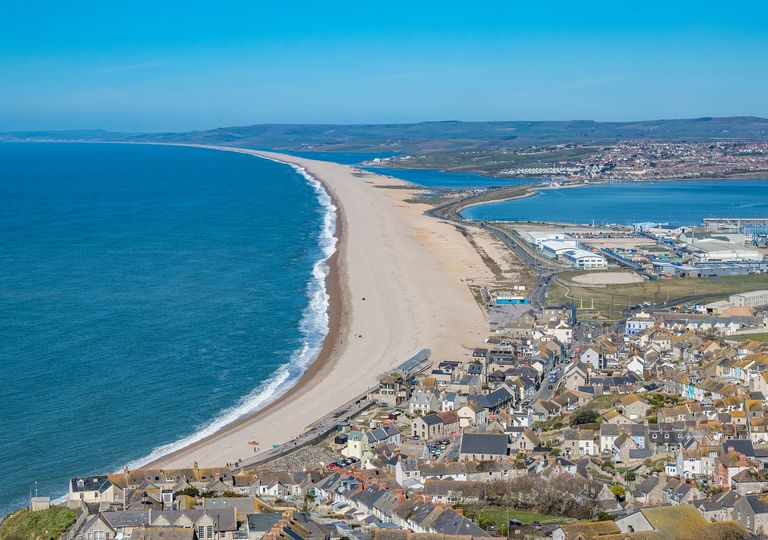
column 650, row 428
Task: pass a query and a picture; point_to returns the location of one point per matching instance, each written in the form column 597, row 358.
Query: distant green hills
column 435, row 136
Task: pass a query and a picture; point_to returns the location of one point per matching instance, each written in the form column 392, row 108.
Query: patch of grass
column 551, row 424
column 43, row 525
column 611, row 300
column 600, row 403
column 487, row 259
column 501, row 516
column 761, row 337
column 596, row 474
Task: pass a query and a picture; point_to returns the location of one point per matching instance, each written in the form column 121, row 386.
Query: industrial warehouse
column 653, row 250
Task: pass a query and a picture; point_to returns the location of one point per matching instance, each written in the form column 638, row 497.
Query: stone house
column 751, row 512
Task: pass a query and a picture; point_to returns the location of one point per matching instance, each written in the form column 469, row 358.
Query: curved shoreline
column 397, row 284
column 335, row 311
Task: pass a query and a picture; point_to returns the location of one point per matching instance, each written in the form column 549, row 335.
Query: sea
column 148, row 296
column 676, row 202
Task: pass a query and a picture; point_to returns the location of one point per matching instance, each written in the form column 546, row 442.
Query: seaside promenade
column 396, row 282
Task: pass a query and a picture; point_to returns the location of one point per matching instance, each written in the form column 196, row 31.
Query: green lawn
column 43, row 525
column 761, row 337
column 610, row 300
column 500, row 517
column 600, row 403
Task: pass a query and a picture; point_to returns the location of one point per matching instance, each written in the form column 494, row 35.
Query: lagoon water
column 437, row 179
column 427, row 178
column 674, row 202
column 147, row 294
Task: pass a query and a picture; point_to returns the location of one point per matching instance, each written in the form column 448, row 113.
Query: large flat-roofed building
column 716, row 251
column 753, row 299
column 581, row 258
column 738, row 268
column 556, row 248
column 538, row 237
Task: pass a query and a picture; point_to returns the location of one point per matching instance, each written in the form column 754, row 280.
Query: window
column 200, row 531
column 210, row 531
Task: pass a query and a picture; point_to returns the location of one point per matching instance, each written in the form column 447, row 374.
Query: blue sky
column 181, row 65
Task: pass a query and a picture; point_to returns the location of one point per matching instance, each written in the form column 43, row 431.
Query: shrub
column 618, row 491
column 584, row 417
column 189, row 492
column 43, row 525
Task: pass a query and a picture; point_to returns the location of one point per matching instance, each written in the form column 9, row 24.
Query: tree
column 584, row 417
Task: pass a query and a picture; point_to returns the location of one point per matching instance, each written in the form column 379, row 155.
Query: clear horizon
column 184, row 66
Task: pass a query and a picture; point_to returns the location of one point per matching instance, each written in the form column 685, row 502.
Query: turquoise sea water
column 675, row 202
column 144, row 291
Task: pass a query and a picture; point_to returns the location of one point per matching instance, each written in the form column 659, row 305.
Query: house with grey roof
column 482, row 446
column 114, row 524
column 258, row 524
column 718, row 507
column 450, row 402
column 385, row 434
column 451, row 523
column 427, row 427
column 423, row 401
column 751, row 512
column 93, row 489
column 163, row 533
column 206, row 524
column 648, row 492
column 407, row 470
column 496, row 401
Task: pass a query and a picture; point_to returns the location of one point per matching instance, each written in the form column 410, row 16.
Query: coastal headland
column 397, row 284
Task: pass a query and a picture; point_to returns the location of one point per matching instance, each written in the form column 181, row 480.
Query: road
column 686, row 299
column 538, row 295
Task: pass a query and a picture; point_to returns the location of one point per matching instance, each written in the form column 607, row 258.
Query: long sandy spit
column 410, row 269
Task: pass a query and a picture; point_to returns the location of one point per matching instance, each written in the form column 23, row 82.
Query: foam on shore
column 314, row 327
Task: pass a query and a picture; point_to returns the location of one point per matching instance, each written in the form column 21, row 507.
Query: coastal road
column 538, row 295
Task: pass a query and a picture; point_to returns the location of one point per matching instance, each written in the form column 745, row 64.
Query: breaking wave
column 313, row 327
